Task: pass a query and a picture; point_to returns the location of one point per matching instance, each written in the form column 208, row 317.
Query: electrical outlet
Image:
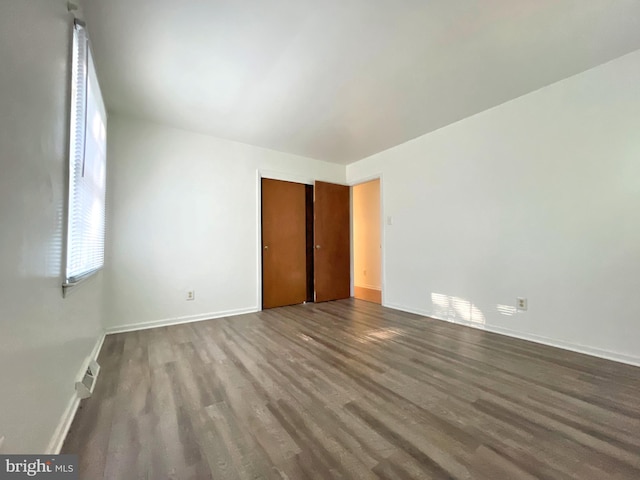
column 521, row 303
column 191, row 295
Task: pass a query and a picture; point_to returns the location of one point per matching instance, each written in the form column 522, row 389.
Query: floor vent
column 88, row 383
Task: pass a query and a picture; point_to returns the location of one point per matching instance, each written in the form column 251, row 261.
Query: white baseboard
column 60, row 433
column 594, row 352
column 131, row 327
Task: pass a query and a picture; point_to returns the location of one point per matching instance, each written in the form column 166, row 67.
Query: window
column 87, row 165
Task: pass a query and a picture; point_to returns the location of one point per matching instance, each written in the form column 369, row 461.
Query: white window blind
column 87, row 165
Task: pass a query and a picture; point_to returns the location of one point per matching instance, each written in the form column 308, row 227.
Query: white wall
column 182, row 215
column 44, row 339
column 538, row 197
column 367, row 262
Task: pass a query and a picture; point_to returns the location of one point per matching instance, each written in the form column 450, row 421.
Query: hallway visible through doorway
column 367, row 258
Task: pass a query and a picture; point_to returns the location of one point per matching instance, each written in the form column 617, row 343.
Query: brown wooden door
column 332, row 264
column 284, row 264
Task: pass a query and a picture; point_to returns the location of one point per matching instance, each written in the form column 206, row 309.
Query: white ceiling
column 339, row 80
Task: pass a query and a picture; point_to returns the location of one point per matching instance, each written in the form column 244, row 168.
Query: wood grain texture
column 332, row 228
column 284, row 243
column 349, row 389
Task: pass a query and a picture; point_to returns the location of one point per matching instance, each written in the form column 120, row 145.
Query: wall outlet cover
column 521, row 303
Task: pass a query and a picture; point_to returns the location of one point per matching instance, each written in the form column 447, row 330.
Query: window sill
column 68, row 287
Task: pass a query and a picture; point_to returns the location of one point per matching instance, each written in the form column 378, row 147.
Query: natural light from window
column 87, row 168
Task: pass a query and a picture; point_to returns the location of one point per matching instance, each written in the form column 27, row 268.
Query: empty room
column 343, row 239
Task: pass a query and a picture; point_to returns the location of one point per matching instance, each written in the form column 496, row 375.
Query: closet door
column 332, row 259
column 284, row 256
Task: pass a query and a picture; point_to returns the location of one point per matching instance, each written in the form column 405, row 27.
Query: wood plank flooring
column 350, row 389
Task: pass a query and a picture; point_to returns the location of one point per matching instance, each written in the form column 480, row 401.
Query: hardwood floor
column 350, row 389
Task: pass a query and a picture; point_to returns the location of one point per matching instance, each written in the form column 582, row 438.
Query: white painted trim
column 60, row 433
column 259, row 239
column 573, row 347
column 285, row 177
column 383, row 242
column 297, row 177
column 352, row 261
column 131, row 327
column 365, row 179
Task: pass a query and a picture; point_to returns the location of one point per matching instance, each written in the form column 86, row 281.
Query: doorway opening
column 367, row 242
column 305, row 242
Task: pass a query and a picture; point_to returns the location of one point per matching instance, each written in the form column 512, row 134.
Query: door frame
column 383, row 231
column 273, row 175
